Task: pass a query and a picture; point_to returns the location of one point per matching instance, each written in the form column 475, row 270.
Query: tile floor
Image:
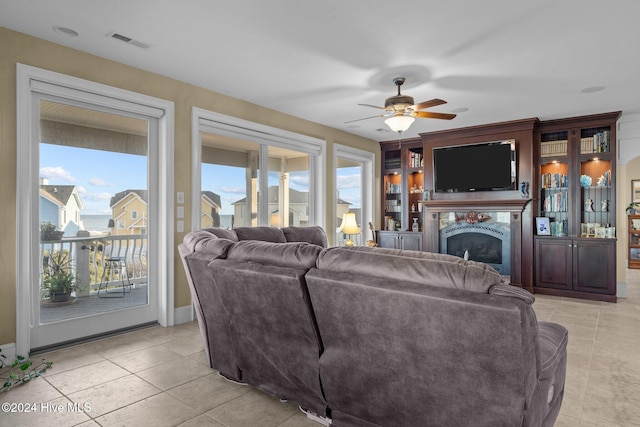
column 158, row 377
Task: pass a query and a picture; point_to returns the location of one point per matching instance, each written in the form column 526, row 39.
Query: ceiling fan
column 402, row 111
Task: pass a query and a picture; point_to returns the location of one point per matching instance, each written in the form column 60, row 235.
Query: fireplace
column 488, row 242
column 489, row 231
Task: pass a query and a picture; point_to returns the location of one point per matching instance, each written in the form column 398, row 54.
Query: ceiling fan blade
column 427, row 104
column 372, row 106
column 366, row 118
column 429, row 115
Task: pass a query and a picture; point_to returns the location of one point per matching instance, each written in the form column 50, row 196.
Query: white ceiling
column 500, row 59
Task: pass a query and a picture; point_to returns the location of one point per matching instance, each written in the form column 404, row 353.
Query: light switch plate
column 180, row 226
column 180, row 197
column 180, row 212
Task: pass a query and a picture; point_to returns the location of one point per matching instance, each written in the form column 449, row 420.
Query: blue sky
column 100, row 174
column 97, row 174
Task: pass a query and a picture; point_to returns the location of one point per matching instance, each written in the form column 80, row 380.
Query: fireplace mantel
column 506, row 205
column 431, row 209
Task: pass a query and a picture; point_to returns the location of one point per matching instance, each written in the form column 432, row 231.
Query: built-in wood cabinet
column 633, row 232
column 566, row 175
column 583, row 268
column 400, row 240
column 402, row 191
column 575, row 242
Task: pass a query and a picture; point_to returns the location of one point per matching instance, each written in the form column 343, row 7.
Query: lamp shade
column 399, row 122
column 349, row 224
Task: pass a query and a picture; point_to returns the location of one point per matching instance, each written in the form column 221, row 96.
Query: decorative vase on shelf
column 415, row 226
column 585, row 180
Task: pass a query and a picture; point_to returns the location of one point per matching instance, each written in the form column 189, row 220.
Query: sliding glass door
column 92, row 222
column 250, row 175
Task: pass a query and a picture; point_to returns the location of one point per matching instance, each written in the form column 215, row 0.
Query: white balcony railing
column 88, row 255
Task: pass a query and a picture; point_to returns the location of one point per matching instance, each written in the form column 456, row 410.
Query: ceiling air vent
column 127, row 40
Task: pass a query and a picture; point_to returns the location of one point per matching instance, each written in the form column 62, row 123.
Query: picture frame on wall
column 542, row 226
column 635, row 190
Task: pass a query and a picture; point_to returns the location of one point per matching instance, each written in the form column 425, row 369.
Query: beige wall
column 20, row 48
column 625, row 173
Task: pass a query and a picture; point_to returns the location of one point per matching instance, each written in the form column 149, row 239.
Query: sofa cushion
column 271, row 319
column 265, row 234
column 400, row 353
column 314, row 234
column 418, row 267
column 299, row 255
column 204, row 240
column 222, row 233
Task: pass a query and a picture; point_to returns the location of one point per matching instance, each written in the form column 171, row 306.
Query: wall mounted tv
column 489, row 166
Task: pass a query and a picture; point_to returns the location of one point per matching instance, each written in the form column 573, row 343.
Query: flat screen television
column 489, row 166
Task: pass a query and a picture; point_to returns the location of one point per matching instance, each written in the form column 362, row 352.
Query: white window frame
column 31, row 80
column 221, row 124
column 366, row 158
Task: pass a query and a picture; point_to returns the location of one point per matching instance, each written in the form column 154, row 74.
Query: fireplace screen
column 485, row 236
column 481, row 247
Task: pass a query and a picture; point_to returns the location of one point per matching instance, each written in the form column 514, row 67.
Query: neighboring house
column 129, row 212
column 298, row 208
column 61, row 206
column 210, row 209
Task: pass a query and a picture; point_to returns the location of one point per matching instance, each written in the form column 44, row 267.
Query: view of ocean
column 95, row 222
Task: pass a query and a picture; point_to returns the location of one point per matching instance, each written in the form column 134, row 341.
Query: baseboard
column 9, row 352
column 183, row 314
column 622, row 290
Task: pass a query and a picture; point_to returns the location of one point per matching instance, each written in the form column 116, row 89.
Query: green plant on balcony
column 48, row 232
column 21, row 370
column 58, row 279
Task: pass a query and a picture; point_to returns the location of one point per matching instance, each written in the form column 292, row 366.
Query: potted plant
column 48, row 232
column 58, row 280
column 631, row 208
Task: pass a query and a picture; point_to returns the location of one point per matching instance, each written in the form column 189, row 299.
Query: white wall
column 628, row 134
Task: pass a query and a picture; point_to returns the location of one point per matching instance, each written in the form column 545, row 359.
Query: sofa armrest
column 512, row 292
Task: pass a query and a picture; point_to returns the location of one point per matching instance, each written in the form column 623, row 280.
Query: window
column 134, row 214
column 238, row 161
column 354, row 191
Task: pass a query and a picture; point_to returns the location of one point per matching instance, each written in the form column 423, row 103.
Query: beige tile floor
column 159, row 377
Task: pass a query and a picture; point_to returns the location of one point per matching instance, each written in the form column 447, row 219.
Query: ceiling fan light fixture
column 399, row 123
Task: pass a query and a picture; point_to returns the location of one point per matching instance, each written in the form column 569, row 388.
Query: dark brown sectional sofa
column 373, row 337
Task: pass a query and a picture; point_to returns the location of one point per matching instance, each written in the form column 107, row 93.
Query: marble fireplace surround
column 515, row 207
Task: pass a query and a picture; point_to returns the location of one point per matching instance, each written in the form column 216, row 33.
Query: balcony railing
column 89, row 255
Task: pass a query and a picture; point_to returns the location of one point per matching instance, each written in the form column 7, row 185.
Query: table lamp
column 349, row 226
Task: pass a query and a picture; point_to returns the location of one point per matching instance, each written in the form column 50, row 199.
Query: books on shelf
column 392, row 163
column 600, row 142
column 393, row 206
column 559, row 228
column 415, row 160
column 554, row 180
column 556, row 202
column 553, row 148
column 393, row 188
